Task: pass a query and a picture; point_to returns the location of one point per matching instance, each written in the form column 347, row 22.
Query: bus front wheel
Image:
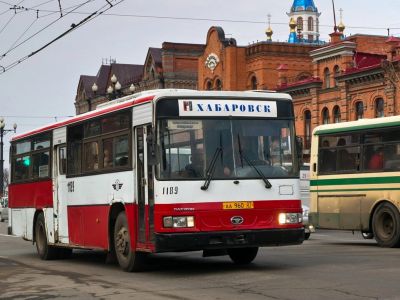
column 386, row 226
column 128, row 259
column 45, row 251
column 243, row 256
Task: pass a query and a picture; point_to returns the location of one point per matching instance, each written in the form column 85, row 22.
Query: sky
column 42, row 89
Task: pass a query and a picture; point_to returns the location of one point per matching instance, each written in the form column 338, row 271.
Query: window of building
column 208, row 85
column 325, row 116
column 299, row 23
column 379, row 108
column 327, row 78
column 336, row 71
column 359, row 108
column 310, row 24
column 254, row 83
column 218, row 85
column 336, row 114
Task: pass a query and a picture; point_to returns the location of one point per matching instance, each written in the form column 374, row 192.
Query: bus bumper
column 168, row 242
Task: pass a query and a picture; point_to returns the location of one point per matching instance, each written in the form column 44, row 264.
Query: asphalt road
column 331, row 265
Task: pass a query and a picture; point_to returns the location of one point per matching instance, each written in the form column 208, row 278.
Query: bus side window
column 62, row 161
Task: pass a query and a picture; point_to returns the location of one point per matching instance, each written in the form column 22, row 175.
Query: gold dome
column 269, row 33
column 292, row 25
column 341, row 27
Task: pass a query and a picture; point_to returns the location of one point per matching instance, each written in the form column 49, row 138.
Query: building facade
column 174, row 65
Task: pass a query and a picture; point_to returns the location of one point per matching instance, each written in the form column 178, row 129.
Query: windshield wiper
column 211, row 169
column 242, row 156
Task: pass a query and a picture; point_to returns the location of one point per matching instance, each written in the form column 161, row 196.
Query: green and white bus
column 355, row 178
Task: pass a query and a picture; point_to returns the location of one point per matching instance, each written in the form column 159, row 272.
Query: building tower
column 306, row 15
column 269, row 31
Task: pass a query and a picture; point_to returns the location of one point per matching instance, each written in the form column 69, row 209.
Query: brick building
column 343, row 80
column 174, row 65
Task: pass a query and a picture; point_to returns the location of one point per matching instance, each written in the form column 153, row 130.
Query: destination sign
column 220, row 108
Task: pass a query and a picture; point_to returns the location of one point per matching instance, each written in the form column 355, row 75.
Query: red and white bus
column 161, row 171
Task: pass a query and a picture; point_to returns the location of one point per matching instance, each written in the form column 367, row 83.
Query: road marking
column 8, row 235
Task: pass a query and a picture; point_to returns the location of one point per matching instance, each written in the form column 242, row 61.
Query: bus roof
column 361, row 124
column 148, row 96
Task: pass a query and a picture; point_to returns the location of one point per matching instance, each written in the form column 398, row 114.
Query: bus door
column 144, row 187
column 60, row 194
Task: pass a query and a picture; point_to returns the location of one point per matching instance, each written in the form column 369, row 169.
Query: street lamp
column 3, row 132
column 114, row 90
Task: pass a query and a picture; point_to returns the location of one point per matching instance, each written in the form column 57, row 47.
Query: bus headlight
column 290, row 218
column 178, row 222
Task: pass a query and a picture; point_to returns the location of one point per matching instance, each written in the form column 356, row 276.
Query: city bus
column 355, row 178
column 161, row 171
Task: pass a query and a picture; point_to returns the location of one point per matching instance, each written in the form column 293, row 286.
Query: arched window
column 327, row 78
column 254, row 83
column 359, row 106
column 299, row 23
column 208, row 85
column 310, row 24
column 325, row 116
column 379, row 108
column 218, row 85
column 336, row 72
column 336, row 114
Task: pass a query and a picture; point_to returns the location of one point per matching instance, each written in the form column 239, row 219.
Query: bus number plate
column 238, row 205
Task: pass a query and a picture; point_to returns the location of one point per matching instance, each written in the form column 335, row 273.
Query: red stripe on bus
column 88, row 225
column 84, row 117
column 33, row 194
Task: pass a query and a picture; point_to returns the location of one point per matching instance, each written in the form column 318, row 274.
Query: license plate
column 238, row 205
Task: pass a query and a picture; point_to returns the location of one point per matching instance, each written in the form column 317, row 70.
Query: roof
column 364, row 62
column 146, row 97
column 300, row 5
column 156, row 55
column 86, row 82
column 127, row 73
column 361, row 124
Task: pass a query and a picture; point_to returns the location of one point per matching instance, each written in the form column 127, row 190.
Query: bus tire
column 128, row 259
column 45, row 251
column 386, row 226
column 243, row 256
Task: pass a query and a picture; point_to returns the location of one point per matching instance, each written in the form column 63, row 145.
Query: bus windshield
column 236, row 148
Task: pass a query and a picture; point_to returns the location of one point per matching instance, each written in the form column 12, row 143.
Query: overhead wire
column 73, row 27
column 41, row 30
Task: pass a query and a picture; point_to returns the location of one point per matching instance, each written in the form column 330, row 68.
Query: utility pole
column 3, row 132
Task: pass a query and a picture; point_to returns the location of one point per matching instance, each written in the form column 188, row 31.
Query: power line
column 73, row 27
column 211, row 20
column 44, row 28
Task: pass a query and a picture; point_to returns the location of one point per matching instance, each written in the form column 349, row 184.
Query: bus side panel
column 88, row 225
column 131, row 213
column 33, row 194
column 18, row 221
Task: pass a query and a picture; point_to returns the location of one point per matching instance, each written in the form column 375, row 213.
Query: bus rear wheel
column 243, row 256
column 45, row 251
column 386, row 226
column 128, row 259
